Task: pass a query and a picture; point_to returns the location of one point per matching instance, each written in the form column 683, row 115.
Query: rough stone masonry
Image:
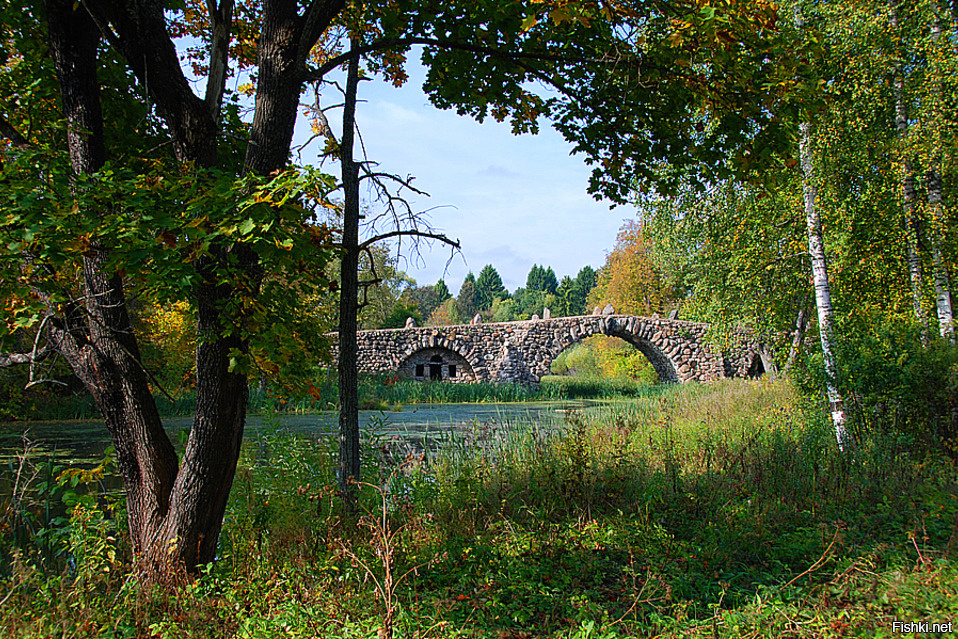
column 523, row 351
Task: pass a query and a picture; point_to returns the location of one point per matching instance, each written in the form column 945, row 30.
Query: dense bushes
column 894, row 385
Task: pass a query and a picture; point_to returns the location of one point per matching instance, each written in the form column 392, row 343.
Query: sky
column 511, row 201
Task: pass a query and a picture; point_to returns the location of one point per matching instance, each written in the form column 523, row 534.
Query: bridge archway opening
column 610, row 357
column 436, row 364
column 757, row 368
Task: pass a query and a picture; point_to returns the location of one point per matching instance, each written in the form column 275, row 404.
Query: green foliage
column 172, row 216
column 168, row 344
column 722, row 510
column 389, row 287
column 504, row 310
column 661, row 106
column 425, row 299
column 466, row 302
column 572, row 294
column 895, row 385
column 61, row 516
column 489, row 288
column 541, row 279
column 564, row 387
column 585, row 281
column 446, row 314
column 601, row 357
column 442, row 291
column 400, row 313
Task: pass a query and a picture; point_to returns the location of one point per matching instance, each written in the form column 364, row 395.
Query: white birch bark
column 823, row 296
column 915, row 271
column 943, row 305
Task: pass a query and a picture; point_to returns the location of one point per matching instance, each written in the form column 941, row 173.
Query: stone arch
column 664, row 367
column 454, row 364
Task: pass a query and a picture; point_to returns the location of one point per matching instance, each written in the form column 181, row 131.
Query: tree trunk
column 175, row 511
column 97, row 338
column 823, row 297
column 943, row 305
column 349, row 451
column 909, row 210
column 798, row 337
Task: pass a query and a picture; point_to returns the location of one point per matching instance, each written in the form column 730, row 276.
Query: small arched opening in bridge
column 436, row 364
column 604, row 357
column 750, row 366
column 757, row 368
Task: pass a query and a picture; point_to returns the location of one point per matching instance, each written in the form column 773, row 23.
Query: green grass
column 381, row 392
column 377, row 392
column 695, row 511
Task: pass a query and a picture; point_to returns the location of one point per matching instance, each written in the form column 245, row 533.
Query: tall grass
column 383, row 391
column 375, row 391
column 695, row 511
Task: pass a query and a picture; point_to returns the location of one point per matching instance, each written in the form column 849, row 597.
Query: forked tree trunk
column 175, row 510
column 96, row 338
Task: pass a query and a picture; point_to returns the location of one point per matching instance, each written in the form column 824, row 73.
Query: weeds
column 693, row 511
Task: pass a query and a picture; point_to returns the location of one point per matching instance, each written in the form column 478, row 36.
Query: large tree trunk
column 349, row 452
column 823, row 297
column 97, row 338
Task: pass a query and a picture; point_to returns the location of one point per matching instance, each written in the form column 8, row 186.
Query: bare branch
column 16, row 359
column 411, row 233
column 372, row 266
column 403, row 182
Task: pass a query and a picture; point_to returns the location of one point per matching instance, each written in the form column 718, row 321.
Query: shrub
column 896, row 386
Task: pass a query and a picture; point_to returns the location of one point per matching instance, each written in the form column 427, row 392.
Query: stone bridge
column 523, row 351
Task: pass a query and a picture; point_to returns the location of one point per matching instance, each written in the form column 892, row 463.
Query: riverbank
column 376, row 392
column 705, row 511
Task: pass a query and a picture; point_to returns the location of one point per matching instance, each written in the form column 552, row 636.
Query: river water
column 420, row 426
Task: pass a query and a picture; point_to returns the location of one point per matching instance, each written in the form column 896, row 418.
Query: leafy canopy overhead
column 651, row 93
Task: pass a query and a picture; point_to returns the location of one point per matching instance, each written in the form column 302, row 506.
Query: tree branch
column 10, row 132
column 16, row 359
column 411, row 233
column 221, row 21
column 391, row 43
column 138, row 30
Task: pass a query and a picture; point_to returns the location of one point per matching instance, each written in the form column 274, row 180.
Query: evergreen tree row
column 487, row 296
